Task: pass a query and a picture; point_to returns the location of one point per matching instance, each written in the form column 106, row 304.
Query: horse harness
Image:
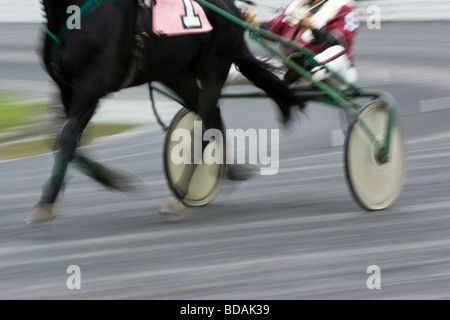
column 142, row 16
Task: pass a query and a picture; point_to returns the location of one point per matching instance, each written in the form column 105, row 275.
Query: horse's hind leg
column 209, row 95
column 110, row 178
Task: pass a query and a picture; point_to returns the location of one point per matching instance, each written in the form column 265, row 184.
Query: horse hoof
column 40, row 214
column 172, row 209
column 125, row 182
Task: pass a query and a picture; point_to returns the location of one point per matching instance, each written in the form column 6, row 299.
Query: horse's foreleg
column 67, row 142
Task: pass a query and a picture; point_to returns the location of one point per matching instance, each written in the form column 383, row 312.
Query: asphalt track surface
column 295, row 235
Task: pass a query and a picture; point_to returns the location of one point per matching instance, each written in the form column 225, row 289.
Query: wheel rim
column 206, row 179
column 375, row 185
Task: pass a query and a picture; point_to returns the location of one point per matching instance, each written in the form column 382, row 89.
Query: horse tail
column 259, row 73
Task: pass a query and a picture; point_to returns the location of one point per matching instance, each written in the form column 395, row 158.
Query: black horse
column 97, row 59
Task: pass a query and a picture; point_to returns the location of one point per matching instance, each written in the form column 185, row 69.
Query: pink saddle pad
column 178, row 17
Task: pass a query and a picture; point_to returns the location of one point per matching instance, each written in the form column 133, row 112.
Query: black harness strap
column 136, row 64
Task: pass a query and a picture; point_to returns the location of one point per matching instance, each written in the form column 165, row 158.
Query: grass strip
column 45, row 145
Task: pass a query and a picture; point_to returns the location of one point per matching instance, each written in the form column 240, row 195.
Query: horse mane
column 55, row 12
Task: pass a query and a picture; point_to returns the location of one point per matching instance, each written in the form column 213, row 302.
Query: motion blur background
column 392, row 10
column 18, row 16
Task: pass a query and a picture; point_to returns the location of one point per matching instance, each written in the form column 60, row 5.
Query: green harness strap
column 58, row 38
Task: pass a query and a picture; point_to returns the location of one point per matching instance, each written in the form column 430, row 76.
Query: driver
column 325, row 27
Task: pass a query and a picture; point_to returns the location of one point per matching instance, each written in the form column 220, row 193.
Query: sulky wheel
column 375, row 184
column 193, row 183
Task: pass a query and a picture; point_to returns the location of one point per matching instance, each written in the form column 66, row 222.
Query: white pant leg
column 340, row 65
